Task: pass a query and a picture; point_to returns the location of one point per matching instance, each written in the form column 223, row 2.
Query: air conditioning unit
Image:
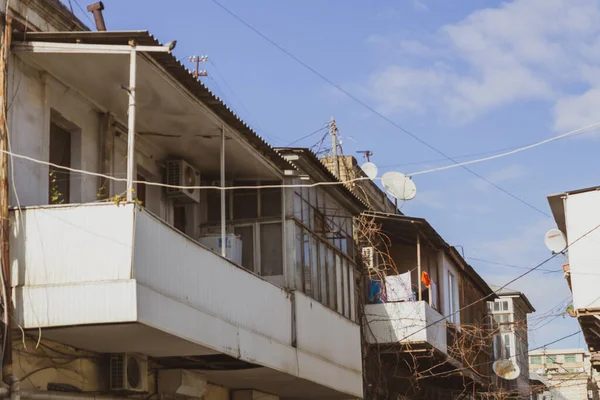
column 128, row 373
column 180, row 173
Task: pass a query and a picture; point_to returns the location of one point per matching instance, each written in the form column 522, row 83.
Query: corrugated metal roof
column 177, row 70
column 402, row 226
column 317, row 162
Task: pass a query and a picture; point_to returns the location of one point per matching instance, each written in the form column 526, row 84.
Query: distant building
column 511, row 342
column 566, row 370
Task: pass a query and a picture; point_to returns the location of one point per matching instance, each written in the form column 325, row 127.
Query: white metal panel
column 583, row 215
column 327, row 334
column 182, row 320
column 392, row 322
column 80, row 304
column 72, row 243
column 176, row 266
column 317, row 370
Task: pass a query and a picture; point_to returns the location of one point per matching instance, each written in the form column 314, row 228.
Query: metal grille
column 173, row 175
column 117, row 372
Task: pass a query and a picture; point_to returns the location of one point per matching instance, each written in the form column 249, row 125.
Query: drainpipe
column 96, row 9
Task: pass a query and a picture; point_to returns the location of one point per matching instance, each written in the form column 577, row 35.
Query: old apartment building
column 568, row 371
column 148, row 289
column 509, row 312
column 577, row 216
column 159, row 248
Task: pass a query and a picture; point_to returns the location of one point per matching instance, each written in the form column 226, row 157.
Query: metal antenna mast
column 197, row 60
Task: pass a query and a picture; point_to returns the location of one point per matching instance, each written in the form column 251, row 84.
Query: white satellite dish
column 555, row 241
column 506, row 369
column 370, row 170
column 399, row 185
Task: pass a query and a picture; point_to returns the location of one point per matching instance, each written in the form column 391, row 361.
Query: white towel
column 398, row 287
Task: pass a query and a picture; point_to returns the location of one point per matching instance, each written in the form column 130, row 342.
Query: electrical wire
column 309, row 135
column 497, row 290
column 374, row 111
column 150, row 183
column 239, row 100
column 483, row 153
column 83, row 11
column 508, row 153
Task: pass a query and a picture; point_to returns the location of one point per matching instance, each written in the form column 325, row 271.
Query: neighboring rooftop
column 557, row 351
column 506, row 291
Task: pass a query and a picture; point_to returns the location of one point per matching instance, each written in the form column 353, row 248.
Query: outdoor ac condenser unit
column 128, row 373
column 181, row 173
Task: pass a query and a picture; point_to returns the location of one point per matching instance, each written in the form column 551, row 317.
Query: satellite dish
column 555, row 241
column 399, row 185
column 506, row 369
column 370, row 170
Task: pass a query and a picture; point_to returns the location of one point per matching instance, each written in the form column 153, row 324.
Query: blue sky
column 467, row 77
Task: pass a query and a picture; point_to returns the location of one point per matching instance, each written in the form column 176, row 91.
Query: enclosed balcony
column 114, row 278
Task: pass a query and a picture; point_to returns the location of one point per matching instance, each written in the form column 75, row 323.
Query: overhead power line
column 371, row 109
column 445, row 317
column 309, row 135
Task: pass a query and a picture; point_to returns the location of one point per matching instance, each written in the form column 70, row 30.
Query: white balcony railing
column 112, row 278
column 405, row 322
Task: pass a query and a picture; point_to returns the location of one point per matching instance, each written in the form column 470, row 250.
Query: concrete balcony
column 391, row 323
column 113, row 278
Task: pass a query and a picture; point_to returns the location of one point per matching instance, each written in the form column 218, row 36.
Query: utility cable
column 371, row 109
column 508, row 153
column 497, row 290
column 309, row 135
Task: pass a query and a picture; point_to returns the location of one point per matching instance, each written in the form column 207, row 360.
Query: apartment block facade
column 158, row 246
column 568, row 371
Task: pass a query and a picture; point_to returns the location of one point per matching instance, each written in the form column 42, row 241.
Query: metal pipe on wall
column 131, row 121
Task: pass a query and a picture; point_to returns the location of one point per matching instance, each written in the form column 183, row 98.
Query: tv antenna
column 366, row 153
column 197, row 60
column 555, row 241
column 399, row 186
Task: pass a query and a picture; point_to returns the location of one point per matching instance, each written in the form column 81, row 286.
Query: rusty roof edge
column 181, row 74
column 323, row 168
column 448, row 249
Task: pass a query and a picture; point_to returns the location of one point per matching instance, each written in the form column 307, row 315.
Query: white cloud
column 573, row 112
column 521, row 50
column 420, row 5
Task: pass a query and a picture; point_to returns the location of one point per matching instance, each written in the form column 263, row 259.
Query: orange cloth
column 425, row 278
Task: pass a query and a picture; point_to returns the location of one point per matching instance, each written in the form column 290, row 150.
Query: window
column 535, row 360
column 507, row 352
column 246, row 234
column 245, row 204
column 451, row 297
column 270, row 202
column 59, row 180
column 271, row 257
column 551, row 359
column 570, row 358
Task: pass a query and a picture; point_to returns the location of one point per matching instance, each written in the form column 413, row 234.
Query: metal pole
column 336, row 161
column 131, row 122
column 419, row 266
column 223, row 214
